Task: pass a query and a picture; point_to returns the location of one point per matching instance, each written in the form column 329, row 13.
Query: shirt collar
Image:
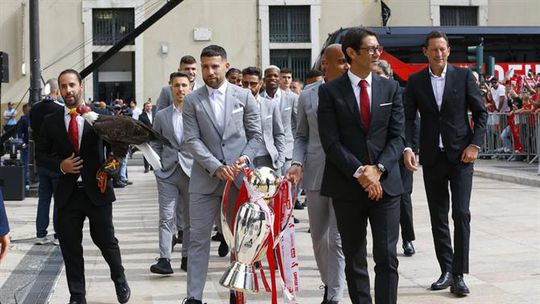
column 177, row 110
column 222, row 89
column 443, row 74
column 277, row 95
column 355, row 80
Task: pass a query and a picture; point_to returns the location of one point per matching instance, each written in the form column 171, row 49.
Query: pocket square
column 268, row 117
column 385, row 104
column 287, row 109
column 238, row 110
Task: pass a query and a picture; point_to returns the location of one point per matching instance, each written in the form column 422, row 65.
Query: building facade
column 254, row 32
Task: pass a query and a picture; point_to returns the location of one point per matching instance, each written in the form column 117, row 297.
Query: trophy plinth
column 239, row 277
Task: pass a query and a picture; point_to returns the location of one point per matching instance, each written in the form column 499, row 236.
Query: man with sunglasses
column 361, row 123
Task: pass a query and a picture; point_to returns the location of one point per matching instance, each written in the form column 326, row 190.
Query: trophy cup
column 252, row 228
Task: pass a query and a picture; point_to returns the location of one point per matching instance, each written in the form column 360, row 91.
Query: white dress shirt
column 149, row 115
column 177, row 123
column 217, row 100
column 355, row 83
column 437, row 83
column 276, row 98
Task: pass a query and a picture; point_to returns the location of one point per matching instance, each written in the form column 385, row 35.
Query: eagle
column 121, row 132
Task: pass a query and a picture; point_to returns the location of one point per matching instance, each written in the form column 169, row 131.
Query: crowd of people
column 349, row 138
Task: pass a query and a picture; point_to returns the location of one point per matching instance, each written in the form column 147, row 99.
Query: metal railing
column 512, row 136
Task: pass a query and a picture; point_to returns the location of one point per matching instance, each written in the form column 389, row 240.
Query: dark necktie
column 364, row 103
column 73, row 131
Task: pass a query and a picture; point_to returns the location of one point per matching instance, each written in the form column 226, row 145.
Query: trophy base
column 239, row 277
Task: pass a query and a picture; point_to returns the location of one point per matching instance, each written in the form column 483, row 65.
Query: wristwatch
column 381, row 168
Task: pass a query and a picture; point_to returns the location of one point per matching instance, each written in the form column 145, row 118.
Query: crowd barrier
column 512, row 136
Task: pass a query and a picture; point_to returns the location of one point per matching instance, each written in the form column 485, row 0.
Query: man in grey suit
column 222, row 129
column 188, row 66
column 287, row 102
column 308, row 163
column 173, row 178
column 271, row 152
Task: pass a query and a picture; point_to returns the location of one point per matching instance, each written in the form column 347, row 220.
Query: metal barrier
column 512, row 136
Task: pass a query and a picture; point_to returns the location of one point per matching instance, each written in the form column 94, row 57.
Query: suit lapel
column 431, row 94
column 449, row 80
column 205, row 101
column 350, row 99
column 230, row 96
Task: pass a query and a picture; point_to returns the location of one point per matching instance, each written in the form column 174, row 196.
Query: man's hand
column 409, row 159
column 226, row 173
column 369, row 176
column 240, row 164
column 295, row 173
column 4, row 246
column 470, row 154
column 375, row 191
column 71, row 164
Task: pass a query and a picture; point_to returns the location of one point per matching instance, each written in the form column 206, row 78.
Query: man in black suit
column 147, row 117
column 361, row 122
column 444, row 94
column 70, row 146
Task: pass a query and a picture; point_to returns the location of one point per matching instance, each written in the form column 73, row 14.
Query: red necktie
column 73, row 131
column 364, row 103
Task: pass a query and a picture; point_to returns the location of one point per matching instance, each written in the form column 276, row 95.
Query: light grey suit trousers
column 322, row 219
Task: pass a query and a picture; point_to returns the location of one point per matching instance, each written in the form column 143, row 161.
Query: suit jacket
column 307, row 143
column 54, row 146
column 461, row 94
column 143, row 117
column 165, row 98
column 348, row 145
column 171, row 156
column 4, row 224
column 210, row 148
column 287, row 108
column 272, row 131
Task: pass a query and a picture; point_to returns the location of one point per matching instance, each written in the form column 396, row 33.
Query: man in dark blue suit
column 361, row 123
column 444, row 94
column 4, row 229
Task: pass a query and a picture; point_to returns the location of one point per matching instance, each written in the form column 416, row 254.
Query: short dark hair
column 70, row 71
column 285, row 71
column 353, row 39
column 253, row 71
column 314, row 73
column 178, row 74
column 214, row 51
column 434, row 35
column 188, row 59
column 232, row 71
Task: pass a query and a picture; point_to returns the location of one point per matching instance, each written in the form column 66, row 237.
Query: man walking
column 308, row 163
column 361, row 123
column 173, row 178
column 444, row 94
column 222, row 129
column 70, row 147
column 147, row 117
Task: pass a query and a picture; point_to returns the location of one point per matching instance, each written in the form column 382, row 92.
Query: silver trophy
column 247, row 232
column 252, row 228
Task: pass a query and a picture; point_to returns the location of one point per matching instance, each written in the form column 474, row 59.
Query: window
column 299, row 61
column 459, row 15
column 111, row 25
column 289, row 24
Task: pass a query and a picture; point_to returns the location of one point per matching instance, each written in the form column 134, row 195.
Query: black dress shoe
column 408, row 248
column 183, row 264
column 444, row 281
column 218, row 237
column 163, row 266
column 146, row 170
column 223, row 249
column 83, row 301
column 191, row 301
column 123, row 293
column 298, row 205
column 459, row 288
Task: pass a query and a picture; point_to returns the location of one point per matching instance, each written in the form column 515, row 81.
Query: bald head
column 333, row 62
